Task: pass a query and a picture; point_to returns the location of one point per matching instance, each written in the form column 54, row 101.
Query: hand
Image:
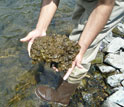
column 31, row 37
column 76, row 62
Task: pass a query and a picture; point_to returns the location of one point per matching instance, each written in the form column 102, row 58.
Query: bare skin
column 47, row 12
column 94, row 26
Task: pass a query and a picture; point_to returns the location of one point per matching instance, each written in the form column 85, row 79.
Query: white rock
column 106, row 41
column 120, row 27
column 108, row 103
column 106, row 69
column 116, row 60
column 117, row 98
column 122, row 70
column 115, row 45
column 115, row 80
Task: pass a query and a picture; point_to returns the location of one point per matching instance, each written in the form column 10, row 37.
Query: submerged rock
column 55, row 50
column 24, row 87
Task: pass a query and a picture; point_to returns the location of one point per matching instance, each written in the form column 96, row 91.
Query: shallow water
column 17, row 18
column 18, row 76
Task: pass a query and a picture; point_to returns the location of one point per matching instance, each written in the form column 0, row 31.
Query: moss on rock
column 55, row 50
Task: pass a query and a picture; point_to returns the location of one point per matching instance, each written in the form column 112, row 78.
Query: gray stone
column 106, row 41
column 106, row 69
column 120, row 27
column 115, row 45
column 117, row 97
column 116, row 60
column 115, row 80
column 108, row 103
column 122, row 70
column 117, row 88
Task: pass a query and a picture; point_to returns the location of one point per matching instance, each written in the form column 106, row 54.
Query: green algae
column 56, row 50
column 25, row 82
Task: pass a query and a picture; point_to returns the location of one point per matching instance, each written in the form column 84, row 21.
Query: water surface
column 17, row 18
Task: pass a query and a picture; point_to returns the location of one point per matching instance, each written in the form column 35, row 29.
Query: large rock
column 116, row 60
column 108, row 103
column 55, row 50
column 115, row 80
column 106, row 69
column 117, row 98
column 115, row 45
column 106, row 41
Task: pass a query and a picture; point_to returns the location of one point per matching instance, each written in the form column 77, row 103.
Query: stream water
column 18, row 76
column 17, row 18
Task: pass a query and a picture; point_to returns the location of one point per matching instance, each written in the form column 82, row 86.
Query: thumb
column 29, row 46
column 27, row 38
column 79, row 65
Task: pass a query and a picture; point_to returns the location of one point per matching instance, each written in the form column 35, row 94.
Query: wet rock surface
column 55, row 50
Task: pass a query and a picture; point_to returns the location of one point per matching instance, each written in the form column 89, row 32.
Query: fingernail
column 21, row 39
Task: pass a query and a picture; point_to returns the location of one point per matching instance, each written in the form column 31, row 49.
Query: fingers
column 68, row 73
column 27, row 38
column 55, row 69
column 29, row 46
column 79, row 65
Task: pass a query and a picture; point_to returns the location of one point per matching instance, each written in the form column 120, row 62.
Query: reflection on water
column 17, row 18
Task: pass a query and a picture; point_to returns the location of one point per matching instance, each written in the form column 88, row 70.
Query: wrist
column 83, row 48
column 41, row 32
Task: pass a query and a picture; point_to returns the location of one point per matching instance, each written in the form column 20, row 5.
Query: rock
column 99, row 58
column 115, row 80
column 106, row 41
column 119, row 30
column 108, row 103
column 117, row 88
column 106, row 69
column 56, row 50
column 122, row 82
column 115, row 45
column 122, row 70
column 117, row 98
column 116, row 60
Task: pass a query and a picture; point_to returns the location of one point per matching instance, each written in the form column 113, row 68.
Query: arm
column 47, row 12
column 96, row 22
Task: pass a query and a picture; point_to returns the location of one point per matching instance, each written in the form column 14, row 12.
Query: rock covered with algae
column 56, row 49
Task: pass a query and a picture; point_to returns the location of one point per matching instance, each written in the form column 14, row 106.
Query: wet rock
column 116, row 60
column 23, row 89
column 115, row 45
column 93, row 91
column 56, row 50
column 115, row 80
column 106, row 69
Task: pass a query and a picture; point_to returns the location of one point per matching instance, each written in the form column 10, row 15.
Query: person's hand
column 76, row 62
column 31, row 37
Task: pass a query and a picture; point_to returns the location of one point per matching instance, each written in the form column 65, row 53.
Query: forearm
column 96, row 23
column 47, row 12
